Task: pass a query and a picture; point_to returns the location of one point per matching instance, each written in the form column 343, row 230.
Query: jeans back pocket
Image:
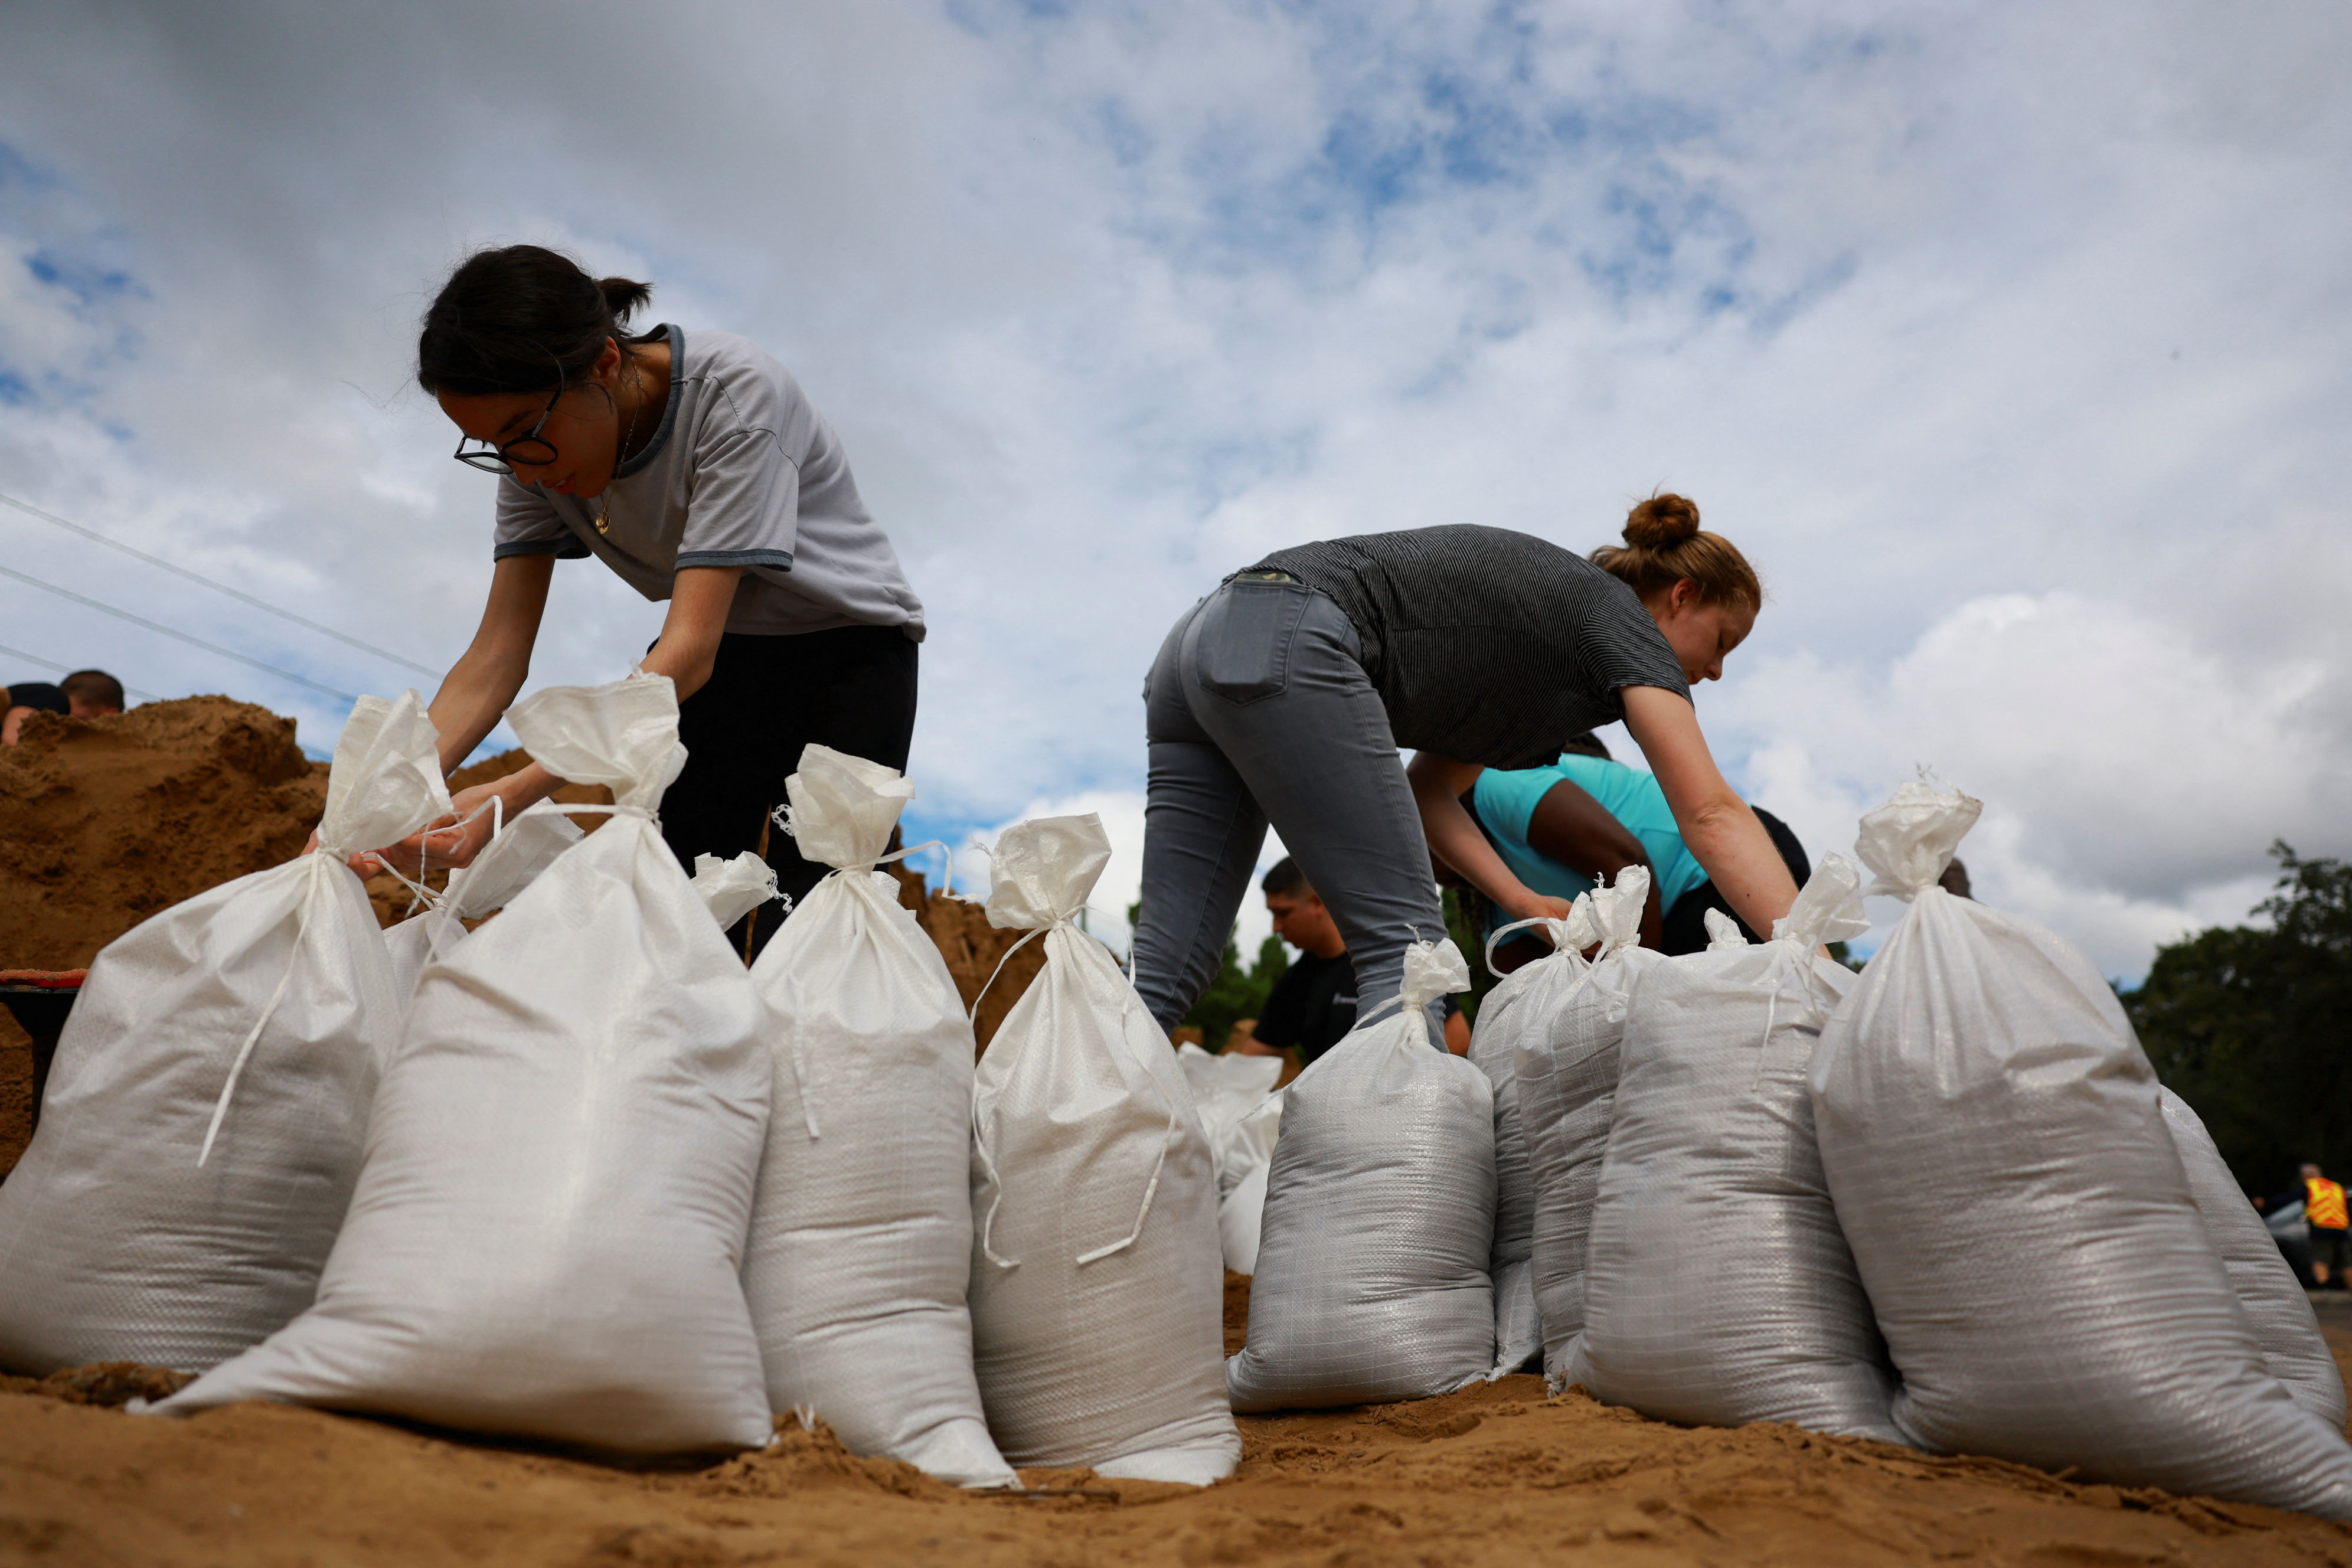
column 1241, row 649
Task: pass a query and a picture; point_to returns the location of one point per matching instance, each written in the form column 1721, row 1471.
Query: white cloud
column 2132, row 779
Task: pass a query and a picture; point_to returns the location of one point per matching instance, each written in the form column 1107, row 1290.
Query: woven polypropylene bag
column 1719, row 1287
column 507, row 865
column 1249, row 1160
column 1379, row 1211
column 1565, row 1054
column 1097, row 1304
column 1493, row 1050
column 860, row 1251
column 121, row 1238
column 2281, row 1313
column 547, row 1234
column 1227, row 1089
column 1991, row 1137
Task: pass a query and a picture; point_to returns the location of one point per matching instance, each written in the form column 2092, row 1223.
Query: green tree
column 1464, row 918
column 1237, row 993
column 2253, row 1027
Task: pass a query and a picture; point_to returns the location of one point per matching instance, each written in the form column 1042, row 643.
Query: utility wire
column 218, row 588
column 67, row 669
column 193, row 642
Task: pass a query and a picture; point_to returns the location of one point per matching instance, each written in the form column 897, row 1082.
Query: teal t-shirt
column 1506, row 800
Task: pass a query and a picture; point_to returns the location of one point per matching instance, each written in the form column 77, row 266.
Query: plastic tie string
column 318, row 856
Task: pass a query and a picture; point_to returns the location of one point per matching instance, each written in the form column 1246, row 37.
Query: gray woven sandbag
column 1719, row 1287
column 1379, row 1211
column 2048, row 1291
column 204, row 1124
column 547, row 1234
column 860, row 1251
column 1494, row 1047
column 1565, row 1055
column 2281, row 1313
column 1098, row 1301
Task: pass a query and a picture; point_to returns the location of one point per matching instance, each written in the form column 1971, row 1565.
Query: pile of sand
column 104, row 822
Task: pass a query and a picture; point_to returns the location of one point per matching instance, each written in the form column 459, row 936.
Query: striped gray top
column 1487, row 645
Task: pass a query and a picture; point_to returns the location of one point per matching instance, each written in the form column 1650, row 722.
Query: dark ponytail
column 520, row 319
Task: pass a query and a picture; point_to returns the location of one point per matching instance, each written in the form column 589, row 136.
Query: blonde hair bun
column 1661, row 522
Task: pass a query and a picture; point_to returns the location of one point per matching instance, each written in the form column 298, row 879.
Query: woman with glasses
column 694, row 466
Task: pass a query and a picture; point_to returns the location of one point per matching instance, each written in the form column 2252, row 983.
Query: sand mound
column 1498, row 1475
column 104, row 822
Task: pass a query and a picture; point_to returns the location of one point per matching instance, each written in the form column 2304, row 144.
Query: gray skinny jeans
column 1258, row 709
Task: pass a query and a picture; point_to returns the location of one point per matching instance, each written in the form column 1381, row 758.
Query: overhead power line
column 182, row 637
column 67, row 669
column 237, row 593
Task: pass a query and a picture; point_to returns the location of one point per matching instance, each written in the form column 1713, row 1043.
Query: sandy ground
column 1498, row 1475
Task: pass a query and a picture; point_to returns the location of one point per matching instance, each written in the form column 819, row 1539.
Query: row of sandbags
column 578, row 1177
column 2004, row 1238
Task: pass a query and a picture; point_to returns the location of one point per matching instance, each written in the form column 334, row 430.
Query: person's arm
column 1717, row 826
column 1438, row 784
column 1569, row 826
column 700, row 597
column 13, row 721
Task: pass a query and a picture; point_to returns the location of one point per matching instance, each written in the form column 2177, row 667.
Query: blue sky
column 2011, row 344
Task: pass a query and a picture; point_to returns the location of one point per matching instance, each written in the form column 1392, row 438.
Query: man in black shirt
column 1312, row 1005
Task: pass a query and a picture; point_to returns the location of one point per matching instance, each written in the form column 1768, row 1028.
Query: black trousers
column 851, row 688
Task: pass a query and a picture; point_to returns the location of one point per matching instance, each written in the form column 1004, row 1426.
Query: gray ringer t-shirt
column 742, row 472
column 1487, row 645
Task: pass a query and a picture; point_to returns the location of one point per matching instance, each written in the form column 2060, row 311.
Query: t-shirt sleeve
column 744, row 507
column 1619, row 645
column 1506, row 799
column 528, row 525
column 1284, row 1015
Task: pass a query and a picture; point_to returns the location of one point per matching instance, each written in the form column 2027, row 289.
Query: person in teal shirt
column 1562, row 828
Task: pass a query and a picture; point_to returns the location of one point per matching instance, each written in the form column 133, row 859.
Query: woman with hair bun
column 1284, row 697
column 694, row 466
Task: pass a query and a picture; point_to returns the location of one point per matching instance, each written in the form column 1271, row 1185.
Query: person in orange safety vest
column 2323, row 1211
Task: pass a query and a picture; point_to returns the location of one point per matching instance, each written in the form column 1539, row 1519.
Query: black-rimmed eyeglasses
column 531, row 448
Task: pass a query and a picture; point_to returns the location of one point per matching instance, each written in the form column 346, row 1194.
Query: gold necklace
column 620, row 454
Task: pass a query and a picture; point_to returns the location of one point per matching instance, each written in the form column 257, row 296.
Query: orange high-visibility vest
column 2323, row 1204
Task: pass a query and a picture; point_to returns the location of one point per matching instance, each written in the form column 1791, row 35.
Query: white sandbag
column 1240, row 1211
column 521, row 850
column 1225, row 1088
column 1565, row 1054
column 2292, row 1347
column 1531, row 992
column 1719, row 1287
column 1991, row 1137
column 1371, row 1268
column 730, row 890
column 1097, row 1304
column 204, row 1117
column 860, row 1249
column 546, row 1235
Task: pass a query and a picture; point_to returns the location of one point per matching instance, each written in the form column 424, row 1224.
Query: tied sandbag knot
column 1909, row 840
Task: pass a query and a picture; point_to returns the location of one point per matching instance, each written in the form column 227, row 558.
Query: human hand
column 1533, row 906
column 450, row 841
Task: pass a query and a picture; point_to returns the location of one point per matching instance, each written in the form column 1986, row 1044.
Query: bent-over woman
column 1284, row 696
column 692, row 466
